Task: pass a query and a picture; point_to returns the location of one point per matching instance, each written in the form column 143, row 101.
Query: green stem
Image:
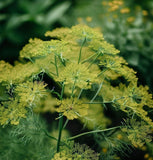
column 84, row 41
column 56, row 65
column 62, row 91
column 31, row 60
column 80, row 93
column 93, row 103
column 60, row 122
column 90, row 132
column 60, row 132
column 66, row 122
column 89, row 58
column 113, row 101
column 46, row 133
column 94, row 60
column 73, row 88
column 97, row 92
column 102, row 72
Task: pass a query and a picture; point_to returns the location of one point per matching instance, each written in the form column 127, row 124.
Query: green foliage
column 77, row 75
column 26, row 140
column 31, row 16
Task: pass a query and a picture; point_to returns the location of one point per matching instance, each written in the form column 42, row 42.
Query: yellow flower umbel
column 18, row 73
column 138, row 132
column 30, row 92
column 72, row 108
column 78, row 75
column 11, row 112
column 76, row 34
column 75, row 151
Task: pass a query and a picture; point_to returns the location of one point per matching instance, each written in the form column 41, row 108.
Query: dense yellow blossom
column 39, row 48
column 78, row 75
column 11, row 112
column 134, row 95
column 138, row 132
column 133, row 99
column 61, row 156
column 60, row 33
column 76, row 152
column 83, row 31
column 19, row 73
column 72, row 108
column 30, row 92
column 77, row 34
column 115, row 67
column 103, row 47
column 130, row 99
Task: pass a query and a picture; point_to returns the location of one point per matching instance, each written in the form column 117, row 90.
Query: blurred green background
column 22, row 19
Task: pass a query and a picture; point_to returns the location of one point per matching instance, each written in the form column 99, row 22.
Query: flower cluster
column 138, row 132
column 76, row 152
column 30, row 92
column 78, row 75
column 72, row 108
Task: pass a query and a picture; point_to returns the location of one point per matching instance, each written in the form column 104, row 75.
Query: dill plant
column 75, row 74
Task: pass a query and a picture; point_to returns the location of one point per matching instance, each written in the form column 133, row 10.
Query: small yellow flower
column 104, row 3
column 125, row 10
column 79, row 19
column 104, row 150
column 72, row 108
column 146, row 156
column 88, row 19
column 119, row 136
column 130, row 19
column 145, row 13
column 113, row 8
column 119, row 2
column 144, row 148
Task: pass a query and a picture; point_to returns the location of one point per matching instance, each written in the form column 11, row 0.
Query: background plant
column 126, row 24
column 30, row 17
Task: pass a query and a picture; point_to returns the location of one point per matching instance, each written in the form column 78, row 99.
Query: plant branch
column 91, row 132
column 84, row 41
column 97, row 92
